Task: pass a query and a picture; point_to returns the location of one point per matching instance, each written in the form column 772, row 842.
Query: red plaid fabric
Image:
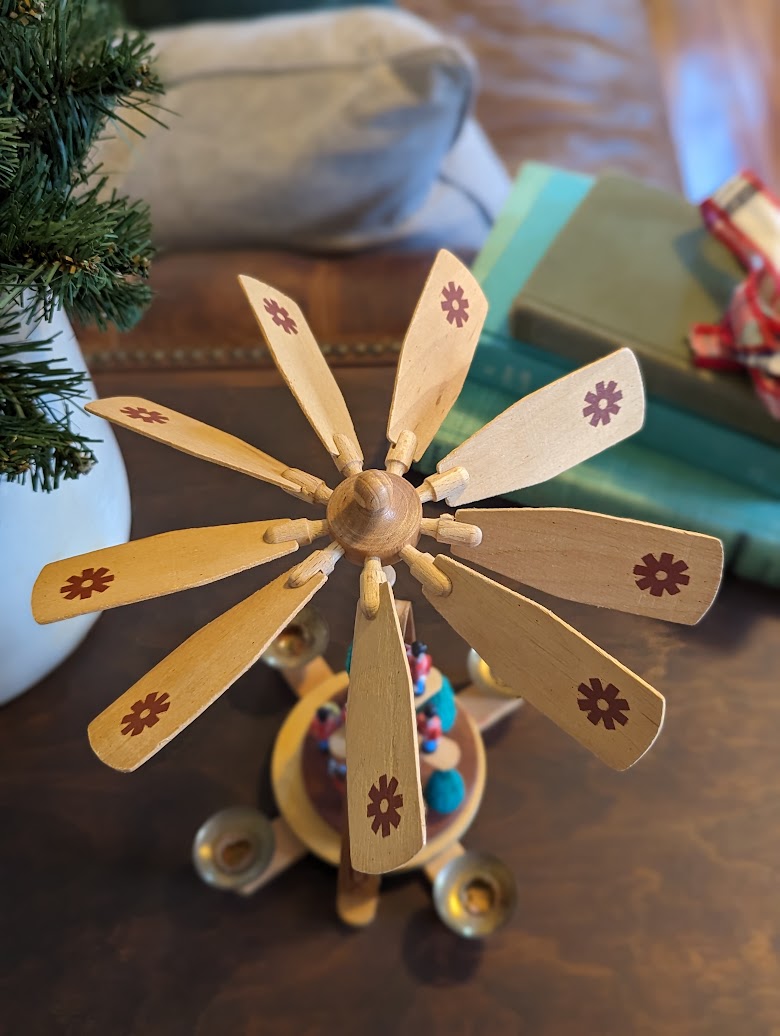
column 745, row 216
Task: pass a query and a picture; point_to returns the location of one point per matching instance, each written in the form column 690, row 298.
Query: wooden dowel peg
column 401, row 453
column 323, row 561
column 349, row 459
column 425, row 571
column 299, row 529
column 314, row 490
column 447, row 530
column 370, row 579
column 357, row 894
column 442, row 484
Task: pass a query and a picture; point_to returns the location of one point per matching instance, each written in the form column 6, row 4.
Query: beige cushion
column 324, row 130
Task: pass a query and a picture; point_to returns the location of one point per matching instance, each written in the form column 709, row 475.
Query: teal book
column 540, row 204
column 632, row 481
column 519, row 369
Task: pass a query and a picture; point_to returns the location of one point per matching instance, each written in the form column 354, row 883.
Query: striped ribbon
column 745, row 216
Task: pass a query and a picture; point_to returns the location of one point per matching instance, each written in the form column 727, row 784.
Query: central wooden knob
column 373, row 491
column 373, row 515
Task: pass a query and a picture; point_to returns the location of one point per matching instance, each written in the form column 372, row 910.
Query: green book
column 634, row 266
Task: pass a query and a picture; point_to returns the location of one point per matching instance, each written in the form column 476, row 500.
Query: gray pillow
column 315, row 131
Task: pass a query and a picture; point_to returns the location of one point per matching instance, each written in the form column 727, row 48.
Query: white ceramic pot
column 37, row 527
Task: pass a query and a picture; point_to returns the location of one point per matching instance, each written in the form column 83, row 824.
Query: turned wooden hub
column 373, row 515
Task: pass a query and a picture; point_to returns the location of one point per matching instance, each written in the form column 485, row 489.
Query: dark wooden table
column 648, row 901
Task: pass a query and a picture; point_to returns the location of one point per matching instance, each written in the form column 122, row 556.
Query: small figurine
column 328, row 717
column 419, row 664
column 337, row 771
column 429, row 727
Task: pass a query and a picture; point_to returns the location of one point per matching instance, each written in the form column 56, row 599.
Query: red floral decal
column 659, row 574
column 140, row 413
column 384, row 795
column 454, row 304
column 611, row 711
column 91, row 581
column 145, row 713
column 602, row 403
column 280, row 316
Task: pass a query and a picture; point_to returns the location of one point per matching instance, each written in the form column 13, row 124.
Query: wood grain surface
column 437, row 351
column 599, row 559
column 578, row 685
column 301, row 363
column 186, row 433
column 156, row 565
column 647, row 900
column 384, row 797
column 552, row 429
column 180, row 687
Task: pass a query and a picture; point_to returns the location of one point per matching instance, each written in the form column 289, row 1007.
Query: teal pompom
column 444, row 703
column 348, row 659
column 445, row 791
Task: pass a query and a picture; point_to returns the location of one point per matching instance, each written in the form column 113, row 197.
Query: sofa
column 566, row 82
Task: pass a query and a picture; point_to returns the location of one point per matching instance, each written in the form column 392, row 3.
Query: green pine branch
column 68, row 71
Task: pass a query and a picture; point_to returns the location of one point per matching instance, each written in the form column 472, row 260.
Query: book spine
column 518, row 369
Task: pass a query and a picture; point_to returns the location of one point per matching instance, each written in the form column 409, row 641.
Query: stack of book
column 576, row 267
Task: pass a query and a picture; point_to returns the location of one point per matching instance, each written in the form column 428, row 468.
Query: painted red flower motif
column 602, row 704
column 659, row 574
column 91, row 581
column 145, row 713
column 280, row 316
column 140, row 413
column 602, row 403
column 455, row 305
column 385, row 805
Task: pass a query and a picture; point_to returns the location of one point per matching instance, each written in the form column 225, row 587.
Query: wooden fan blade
column 384, row 798
column 437, row 351
column 584, row 690
column 597, row 559
column 553, row 429
column 193, row 437
column 178, row 689
column 301, row 363
column 151, row 567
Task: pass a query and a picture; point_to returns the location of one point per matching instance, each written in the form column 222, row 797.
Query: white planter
column 35, row 528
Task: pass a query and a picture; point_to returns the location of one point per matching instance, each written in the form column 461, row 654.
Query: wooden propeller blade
column 178, row 689
column 437, row 351
column 193, row 437
column 151, row 567
column 584, row 690
column 553, row 429
column 301, row 363
column 384, row 798
column 597, row 559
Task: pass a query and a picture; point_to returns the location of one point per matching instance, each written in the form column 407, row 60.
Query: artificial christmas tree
column 66, row 71
column 67, row 247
